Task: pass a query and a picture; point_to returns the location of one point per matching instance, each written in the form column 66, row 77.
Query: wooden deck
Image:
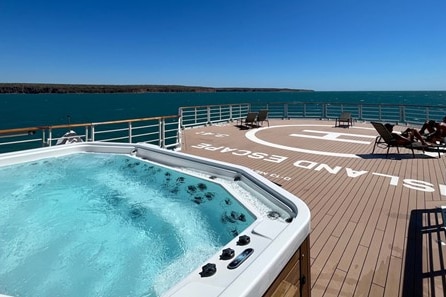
column 377, row 225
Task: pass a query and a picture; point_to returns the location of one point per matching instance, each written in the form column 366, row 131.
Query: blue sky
column 323, row 45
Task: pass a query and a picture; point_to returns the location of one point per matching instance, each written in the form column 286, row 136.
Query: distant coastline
column 39, row 88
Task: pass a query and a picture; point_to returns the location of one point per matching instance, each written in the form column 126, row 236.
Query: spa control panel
column 240, row 258
column 227, row 254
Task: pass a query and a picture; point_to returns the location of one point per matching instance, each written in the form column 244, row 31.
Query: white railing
column 393, row 113
column 211, row 114
column 165, row 131
column 403, row 114
column 160, row 131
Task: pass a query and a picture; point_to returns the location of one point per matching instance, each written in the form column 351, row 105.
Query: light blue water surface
column 107, row 225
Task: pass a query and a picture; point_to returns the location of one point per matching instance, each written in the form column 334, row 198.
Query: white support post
column 130, row 132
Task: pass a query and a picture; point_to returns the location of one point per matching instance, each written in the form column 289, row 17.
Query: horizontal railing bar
column 143, row 127
column 21, row 141
column 145, row 134
column 27, row 131
column 281, row 103
column 170, row 145
column 170, row 130
column 15, row 135
column 110, row 131
column 116, row 138
column 216, row 105
column 68, row 126
column 136, row 120
column 171, row 137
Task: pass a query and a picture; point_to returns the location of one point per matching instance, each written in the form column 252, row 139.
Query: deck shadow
column 394, row 156
column 425, row 260
column 246, row 127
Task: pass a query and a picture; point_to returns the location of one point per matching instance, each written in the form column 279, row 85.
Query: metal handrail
column 191, row 116
column 395, row 113
column 166, row 131
column 149, row 130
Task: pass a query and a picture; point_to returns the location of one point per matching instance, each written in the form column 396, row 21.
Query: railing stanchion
column 402, row 114
column 43, row 138
column 180, row 115
column 179, row 134
column 161, row 133
column 208, row 111
column 86, row 133
column 92, row 133
column 50, row 136
column 130, row 132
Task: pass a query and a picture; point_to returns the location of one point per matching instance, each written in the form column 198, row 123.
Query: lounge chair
column 386, row 138
column 346, row 118
column 251, row 119
column 262, row 117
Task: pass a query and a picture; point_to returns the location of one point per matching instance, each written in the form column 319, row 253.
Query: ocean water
column 28, row 110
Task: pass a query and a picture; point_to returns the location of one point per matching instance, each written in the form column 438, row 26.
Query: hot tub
column 249, row 263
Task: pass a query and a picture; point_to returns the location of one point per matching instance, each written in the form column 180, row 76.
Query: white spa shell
column 273, row 241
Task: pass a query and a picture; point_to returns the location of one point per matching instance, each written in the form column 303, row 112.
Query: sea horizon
column 168, row 88
column 30, row 110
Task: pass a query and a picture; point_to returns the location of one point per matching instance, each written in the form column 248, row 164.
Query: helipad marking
column 341, row 134
column 333, row 136
column 251, row 135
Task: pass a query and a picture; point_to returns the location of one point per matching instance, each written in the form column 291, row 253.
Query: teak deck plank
column 370, row 263
column 376, row 226
column 334, row 287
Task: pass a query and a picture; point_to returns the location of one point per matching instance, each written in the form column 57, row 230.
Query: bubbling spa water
column 108, row 225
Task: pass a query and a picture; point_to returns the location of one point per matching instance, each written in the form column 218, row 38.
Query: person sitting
column 438, row 134
column 430, row 126
column 406, row 137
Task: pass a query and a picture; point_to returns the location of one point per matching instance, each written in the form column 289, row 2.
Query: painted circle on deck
column 251, row 135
